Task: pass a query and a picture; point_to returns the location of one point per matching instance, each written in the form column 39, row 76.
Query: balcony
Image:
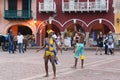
column 85, row 6
column 116, row 6
column 44, row 7
column 18, row 14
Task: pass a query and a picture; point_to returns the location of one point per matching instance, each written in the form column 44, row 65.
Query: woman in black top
column 99, row 43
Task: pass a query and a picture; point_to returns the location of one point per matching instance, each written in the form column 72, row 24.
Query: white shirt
column 20, row 38
column 54, row 36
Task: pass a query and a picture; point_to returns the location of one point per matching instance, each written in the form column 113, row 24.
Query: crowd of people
column 12, row 43
column 106, row 41
column 19, row 41
column 54, row 43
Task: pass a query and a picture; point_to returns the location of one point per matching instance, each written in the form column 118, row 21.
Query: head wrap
column 50, row 31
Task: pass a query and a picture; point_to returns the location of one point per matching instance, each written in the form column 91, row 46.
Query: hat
column 50, row 31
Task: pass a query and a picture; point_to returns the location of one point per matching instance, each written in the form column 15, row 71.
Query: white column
column 88, row 5
column 62, row 5
column 71, row 5
column 87, row 39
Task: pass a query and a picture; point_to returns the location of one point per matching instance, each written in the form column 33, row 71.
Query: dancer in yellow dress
column 49, row 53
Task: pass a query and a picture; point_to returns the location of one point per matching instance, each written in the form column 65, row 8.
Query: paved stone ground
column 30, row 66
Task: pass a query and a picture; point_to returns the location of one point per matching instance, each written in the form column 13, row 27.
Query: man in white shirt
column 20, row 38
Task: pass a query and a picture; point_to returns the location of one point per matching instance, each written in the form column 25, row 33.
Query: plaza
column 30, row 66
column 33, row 19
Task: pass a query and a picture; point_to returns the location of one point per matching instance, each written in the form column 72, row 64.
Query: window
column 25, row 4
column 12, row 4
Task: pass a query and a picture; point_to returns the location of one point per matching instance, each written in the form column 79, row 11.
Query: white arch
column 40, row 25
column 76, row 20
column 46, row 21
column 62, row 25
column 103, row 20
column 58, row 22
column 87, row 25
column 82, row 21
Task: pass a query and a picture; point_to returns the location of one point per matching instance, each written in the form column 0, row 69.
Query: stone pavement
column 30, row 66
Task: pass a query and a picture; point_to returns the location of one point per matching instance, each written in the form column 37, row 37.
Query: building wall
column 87, row 20
column 116, row 6
column 66, row 19
column 117, row 23
column 6, row 24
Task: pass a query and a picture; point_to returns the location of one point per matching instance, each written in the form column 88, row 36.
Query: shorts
column 49, row 53
column 79, row 52
column 82, row 57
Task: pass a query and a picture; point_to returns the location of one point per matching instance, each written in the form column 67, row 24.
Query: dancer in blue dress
column 79, row 50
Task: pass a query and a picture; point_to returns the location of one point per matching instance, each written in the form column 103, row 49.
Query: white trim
column 41, row 24
column 46, row 21
column 82, row 22
column 87, row 25
column 62, row 25
column 58, row 22
column 101, row 23
column 76, row 21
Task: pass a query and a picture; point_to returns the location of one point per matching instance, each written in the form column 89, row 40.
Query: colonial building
column 71, row 15
column 64, row 16
column 116, row 6
column 17, row 15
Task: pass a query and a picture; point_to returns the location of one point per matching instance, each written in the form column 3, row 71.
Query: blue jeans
column 11, row 47
column 20, row 47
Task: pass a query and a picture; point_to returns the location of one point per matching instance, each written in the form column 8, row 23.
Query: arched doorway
column 29, row 38
column 99, row 28
column 94, row 32
column 24, row 30
column 20, row 28
column 70, row 32
column 74, row 27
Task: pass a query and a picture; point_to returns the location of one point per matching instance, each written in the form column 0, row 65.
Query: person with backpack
column 110, row 43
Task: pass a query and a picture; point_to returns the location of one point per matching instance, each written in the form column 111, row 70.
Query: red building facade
column 71, row 15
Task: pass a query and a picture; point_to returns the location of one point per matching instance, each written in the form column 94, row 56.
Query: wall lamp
column 118, row 20
column 35, row 21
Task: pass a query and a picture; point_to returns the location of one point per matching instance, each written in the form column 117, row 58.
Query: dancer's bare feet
column 54, row 77
column 73, row 67
column 82, row 67
column 46, row 76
